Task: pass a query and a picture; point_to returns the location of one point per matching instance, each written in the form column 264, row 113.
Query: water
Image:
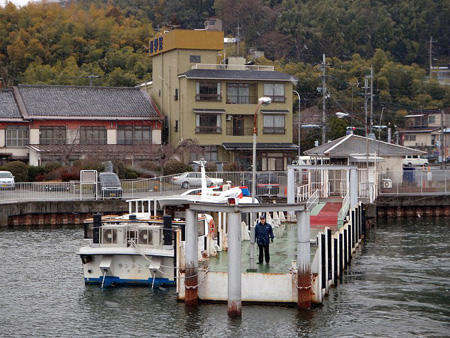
column 398, row 286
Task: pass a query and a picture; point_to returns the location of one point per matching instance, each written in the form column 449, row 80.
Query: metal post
column 324, row 96
column 299, row 126
column 234, row 265
column 353, row 188
column 290, row 188
column 303, row 259
column 191, row 276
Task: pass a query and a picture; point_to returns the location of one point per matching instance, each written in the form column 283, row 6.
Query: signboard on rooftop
column 186, row 39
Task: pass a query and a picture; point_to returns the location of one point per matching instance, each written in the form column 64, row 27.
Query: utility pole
column 442, row 157
column 366, row 86
column 431, row 54
column 324, row 95
column 238, row 38
column 371, row 101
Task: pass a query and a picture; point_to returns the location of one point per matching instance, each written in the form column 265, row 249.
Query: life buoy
column 212, row 226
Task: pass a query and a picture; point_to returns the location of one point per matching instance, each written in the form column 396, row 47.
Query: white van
column 414, row 160
column 312, row 160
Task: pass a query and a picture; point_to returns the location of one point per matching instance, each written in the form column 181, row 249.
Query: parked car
column 108, row 185
column 7, row 180
column 267, row 184
column 189, row 179
column 414, row 160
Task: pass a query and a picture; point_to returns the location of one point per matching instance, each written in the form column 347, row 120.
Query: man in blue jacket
column 264, row 235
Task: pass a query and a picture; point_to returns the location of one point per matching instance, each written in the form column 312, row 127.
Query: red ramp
column 327, row 217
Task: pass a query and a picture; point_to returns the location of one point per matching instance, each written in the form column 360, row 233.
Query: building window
column 208, row 123
column 134, row 135
column 208, row 91
column 241, row 93
column 274, row 124
column 52, row 135
column 209, row 154
column 16, row 136
column 431, row 119
column 410, row 137
column 195, row 59
column 92, row 135
column 275, row 91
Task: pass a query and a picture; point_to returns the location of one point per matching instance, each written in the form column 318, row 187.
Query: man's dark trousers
column 266, row 253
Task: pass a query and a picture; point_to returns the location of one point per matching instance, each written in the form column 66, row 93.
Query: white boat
column 143, row 247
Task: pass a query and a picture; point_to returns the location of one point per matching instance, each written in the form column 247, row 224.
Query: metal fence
column 268, row 184
column 412, row 181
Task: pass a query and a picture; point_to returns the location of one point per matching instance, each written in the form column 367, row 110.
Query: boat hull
column 111, row 281
column 109, row 269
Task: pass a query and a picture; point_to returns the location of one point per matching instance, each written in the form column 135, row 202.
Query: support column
column 303, row 260
column 234, row 265
column 191, row 277
column 290, row 189
column 353, row 188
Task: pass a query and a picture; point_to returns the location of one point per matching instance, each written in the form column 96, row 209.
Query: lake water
column 399, row 285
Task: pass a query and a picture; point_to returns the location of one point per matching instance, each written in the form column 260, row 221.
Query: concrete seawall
column 413, row 206
column 57, row 212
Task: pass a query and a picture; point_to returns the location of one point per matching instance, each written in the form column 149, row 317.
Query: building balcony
column 208, row 130
column 240, row 131
column 233, row 67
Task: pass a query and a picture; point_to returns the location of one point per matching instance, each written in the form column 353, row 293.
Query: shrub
column 232, row 166
column 51, row 166
column 34, row 172
column 131, row 175
column 19, row 170
column 175, row 167
column 211, row 166
column 88, row 164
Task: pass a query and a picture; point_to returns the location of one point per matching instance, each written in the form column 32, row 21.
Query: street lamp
column 341, row 115
column 262, row 101
column 299, row 126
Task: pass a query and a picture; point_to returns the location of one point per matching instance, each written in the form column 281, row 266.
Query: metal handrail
column 313, row 200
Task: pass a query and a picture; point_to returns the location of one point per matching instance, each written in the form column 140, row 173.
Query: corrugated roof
column 8, row 105
column 354, row 144
column 97, row 102
column 238, row 75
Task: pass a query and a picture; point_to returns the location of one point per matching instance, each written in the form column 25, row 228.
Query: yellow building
column 215, row 103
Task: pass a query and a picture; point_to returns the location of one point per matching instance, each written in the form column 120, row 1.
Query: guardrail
column 414, row 181
column 344, row 210
column 302, row 193
column 270, row 184
column 313, row 200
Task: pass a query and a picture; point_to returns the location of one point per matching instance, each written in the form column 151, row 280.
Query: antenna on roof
column 90, row 77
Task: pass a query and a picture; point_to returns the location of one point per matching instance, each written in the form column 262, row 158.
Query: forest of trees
column 105, row 43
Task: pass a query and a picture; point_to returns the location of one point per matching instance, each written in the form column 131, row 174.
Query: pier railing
column 410, row 181
column 414, row 181
column 268, row 184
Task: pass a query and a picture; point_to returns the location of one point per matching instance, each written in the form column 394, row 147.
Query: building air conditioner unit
column 386, row 183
